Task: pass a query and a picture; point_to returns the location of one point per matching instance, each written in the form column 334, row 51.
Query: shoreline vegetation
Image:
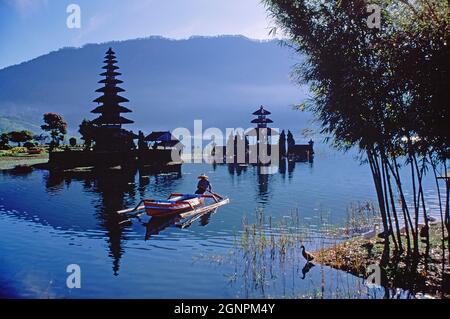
column 383, row 91
column 266, row 244
column 431, row 275
column 10, row 162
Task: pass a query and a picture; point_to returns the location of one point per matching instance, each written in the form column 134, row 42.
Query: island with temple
column 249, row 147
column 107, row 143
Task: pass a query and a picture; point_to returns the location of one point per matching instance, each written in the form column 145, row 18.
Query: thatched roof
column 164, row 136
column 261, row 111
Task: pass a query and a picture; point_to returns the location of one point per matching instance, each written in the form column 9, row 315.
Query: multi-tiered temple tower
column 109, row 135
column 263, row 133
column 262, row 120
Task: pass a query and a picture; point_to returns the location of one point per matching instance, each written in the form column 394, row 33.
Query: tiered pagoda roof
column 110, row 108
column 261, row 111
column 262, row 119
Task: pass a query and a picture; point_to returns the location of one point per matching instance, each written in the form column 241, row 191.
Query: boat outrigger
column 182, row 205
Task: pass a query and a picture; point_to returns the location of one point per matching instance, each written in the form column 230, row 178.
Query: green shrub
column 17, row 150
column 29, row 144
column 73, row 141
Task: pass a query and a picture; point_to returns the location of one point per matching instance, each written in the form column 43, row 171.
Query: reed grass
column 267, row 257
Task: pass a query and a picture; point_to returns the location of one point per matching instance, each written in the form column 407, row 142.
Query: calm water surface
column 50, row 221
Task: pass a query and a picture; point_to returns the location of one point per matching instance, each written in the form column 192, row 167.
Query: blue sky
column 29, row 28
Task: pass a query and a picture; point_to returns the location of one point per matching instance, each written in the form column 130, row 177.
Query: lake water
column 50, row 221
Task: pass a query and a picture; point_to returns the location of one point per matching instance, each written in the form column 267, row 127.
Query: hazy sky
column 29, row 28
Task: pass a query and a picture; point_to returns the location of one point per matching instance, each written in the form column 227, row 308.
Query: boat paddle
column 216, row 195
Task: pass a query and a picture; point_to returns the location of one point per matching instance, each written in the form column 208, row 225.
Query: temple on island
column 296, row 152
column 262, row 134
column 108, row 144
column 262, row 137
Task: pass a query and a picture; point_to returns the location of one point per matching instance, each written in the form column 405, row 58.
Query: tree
column 87, row 131
column 41, row 138
column 29, row 144
column 73, row 141
column 383, row 91
column 56, row 126
column 4, row 141
column 20, row 137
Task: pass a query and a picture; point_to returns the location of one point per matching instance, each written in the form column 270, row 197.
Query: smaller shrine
column 260, row 139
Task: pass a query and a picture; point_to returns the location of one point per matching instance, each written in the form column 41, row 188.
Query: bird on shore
column 308, row 256
column 371, row 233
column 385, row 234
column 369, row 246
column 431, row 219
column 424, row 231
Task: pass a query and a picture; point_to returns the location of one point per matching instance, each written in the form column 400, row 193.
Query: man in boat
column 203, row 185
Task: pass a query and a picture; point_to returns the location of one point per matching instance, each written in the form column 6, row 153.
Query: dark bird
column 369, row 247
column 385, row 234
column 432, row 219
column 307, row 268
column 307, row 255
column 424, row 231
column 371, row 233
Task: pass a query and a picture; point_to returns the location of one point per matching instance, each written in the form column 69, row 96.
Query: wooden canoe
column 182, row 205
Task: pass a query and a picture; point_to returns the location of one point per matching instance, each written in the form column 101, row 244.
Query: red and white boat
column 183, row 205
column 175, row 204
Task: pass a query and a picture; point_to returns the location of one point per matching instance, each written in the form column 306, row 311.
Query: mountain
column 10, row 123
column 169, row 83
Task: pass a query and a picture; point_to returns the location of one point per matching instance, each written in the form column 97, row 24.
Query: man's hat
column 203, row 176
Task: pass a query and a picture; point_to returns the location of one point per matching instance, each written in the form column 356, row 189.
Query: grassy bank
column 9, row 161
column 265, row 248
column 428, row 275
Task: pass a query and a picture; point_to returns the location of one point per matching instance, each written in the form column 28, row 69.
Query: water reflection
column 237, row 169
column 264, row 174
column 205, row 219
column 18, row 172
column 156, row 225
column 263, row 183
column 75, row 219
column 305, row 270
column 119, row 188
column 116, row 188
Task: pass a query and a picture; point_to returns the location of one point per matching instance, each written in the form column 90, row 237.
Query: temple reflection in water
column 115, row 189
column 118, row 188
